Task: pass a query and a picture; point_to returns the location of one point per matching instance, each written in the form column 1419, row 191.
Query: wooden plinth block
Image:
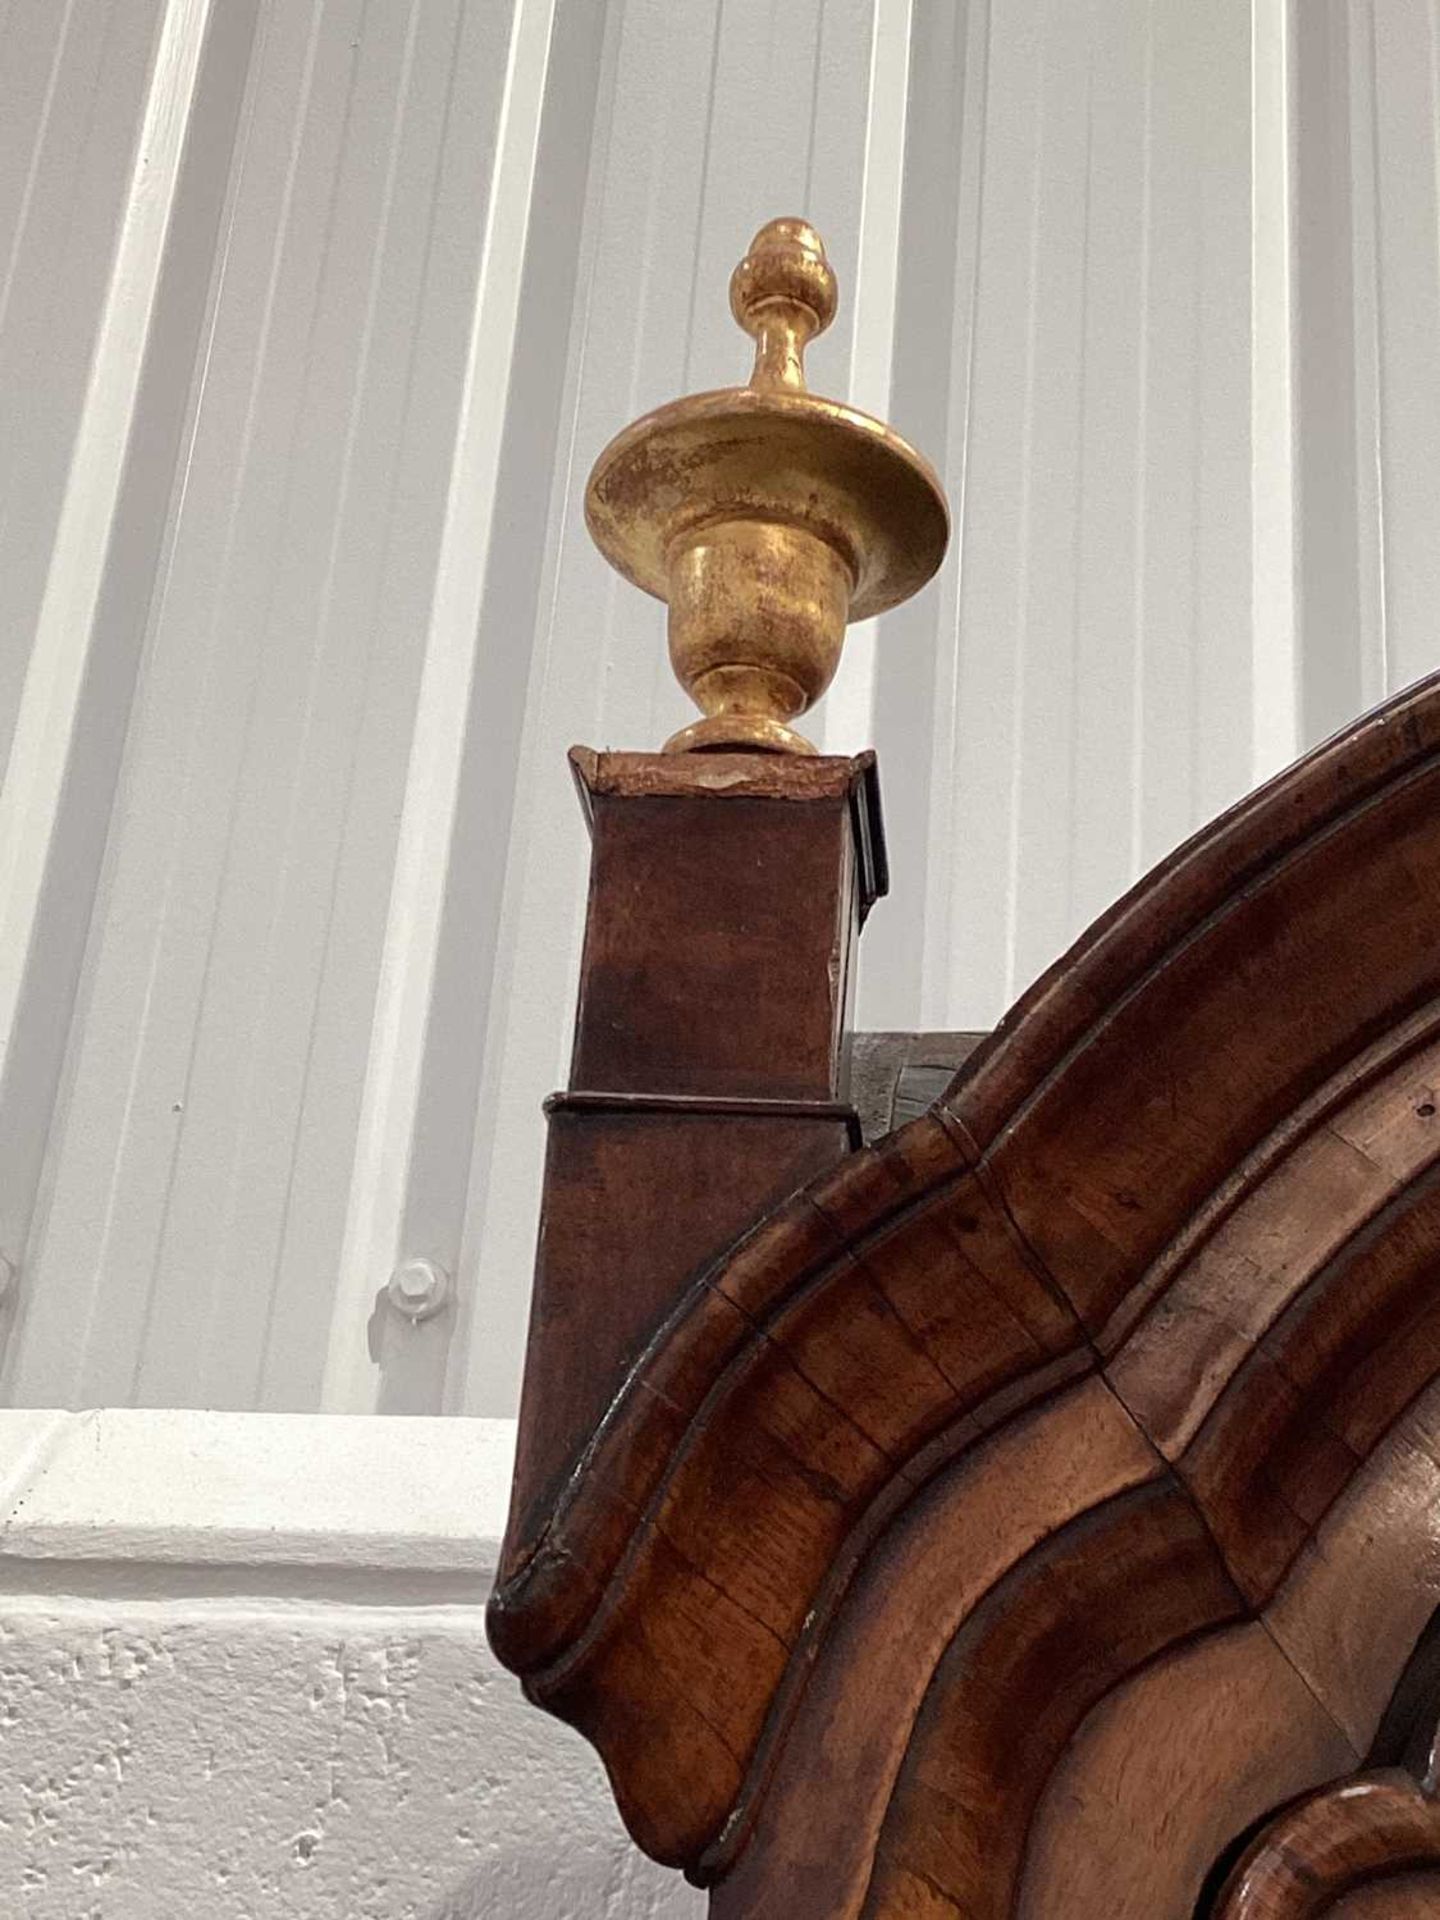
column 707, row 1075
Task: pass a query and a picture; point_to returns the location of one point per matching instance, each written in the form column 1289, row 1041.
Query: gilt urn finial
column 767, row 516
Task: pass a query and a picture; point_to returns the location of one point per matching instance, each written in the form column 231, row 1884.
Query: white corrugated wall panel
column 198, row 1171
column 313, row 318
column 1366, row 112
column 66, row 148
column 1075, row 296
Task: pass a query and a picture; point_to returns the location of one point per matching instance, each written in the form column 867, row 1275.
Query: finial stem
column 782, row 332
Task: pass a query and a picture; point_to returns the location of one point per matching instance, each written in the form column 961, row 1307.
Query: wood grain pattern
column 1166, row 1770
column 1360, row 1594
column 1103, row 1596
column 908, row 1597
column 1104, row 1383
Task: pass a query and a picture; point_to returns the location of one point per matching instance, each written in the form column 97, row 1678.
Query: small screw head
column 418, row 1289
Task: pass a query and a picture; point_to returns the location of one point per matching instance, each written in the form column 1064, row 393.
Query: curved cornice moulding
column 1084, row 1388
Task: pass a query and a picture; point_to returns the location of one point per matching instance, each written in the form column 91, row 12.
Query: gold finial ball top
column 786, row 267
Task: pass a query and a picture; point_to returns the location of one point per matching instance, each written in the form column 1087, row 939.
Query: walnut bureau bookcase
column 1036, row 1512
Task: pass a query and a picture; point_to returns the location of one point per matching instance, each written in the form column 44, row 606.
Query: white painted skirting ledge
column 351, row 1495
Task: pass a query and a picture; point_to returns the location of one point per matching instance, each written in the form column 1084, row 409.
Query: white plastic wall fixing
column 418, row 1289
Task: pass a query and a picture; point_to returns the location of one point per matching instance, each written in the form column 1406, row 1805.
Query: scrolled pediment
column 1090, row 1402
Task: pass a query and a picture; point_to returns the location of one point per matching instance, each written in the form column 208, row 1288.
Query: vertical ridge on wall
column 384, row 1164
column 1367, row 317
column 1401, row 117
column 1078, row 289
column 1276, row 705
column 845, row 722
column 76, row 238
column 63, row 206
column 933, row 355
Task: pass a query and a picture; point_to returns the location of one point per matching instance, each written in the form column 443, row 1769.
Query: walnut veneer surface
column 1036, row 1513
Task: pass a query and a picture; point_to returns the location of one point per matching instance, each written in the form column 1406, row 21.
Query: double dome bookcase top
column 1034, row 1513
